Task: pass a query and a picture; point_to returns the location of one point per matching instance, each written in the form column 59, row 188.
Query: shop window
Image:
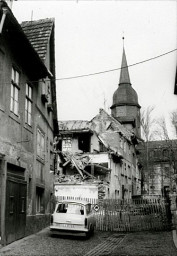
column 14, row 101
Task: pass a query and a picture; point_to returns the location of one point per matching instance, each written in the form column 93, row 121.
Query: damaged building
column 98, row 158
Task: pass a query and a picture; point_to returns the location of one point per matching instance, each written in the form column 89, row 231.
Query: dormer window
column 14, row 100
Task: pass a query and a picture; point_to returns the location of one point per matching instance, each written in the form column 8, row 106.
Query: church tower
column 126, row 108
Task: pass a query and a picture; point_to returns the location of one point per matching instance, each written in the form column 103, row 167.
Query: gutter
column 3, row 18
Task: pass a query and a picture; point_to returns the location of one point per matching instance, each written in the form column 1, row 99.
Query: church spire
column 124, row 74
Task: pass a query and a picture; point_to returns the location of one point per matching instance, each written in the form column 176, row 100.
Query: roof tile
column 38, row 32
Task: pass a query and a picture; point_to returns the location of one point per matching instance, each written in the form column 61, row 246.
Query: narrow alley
column 101, row 243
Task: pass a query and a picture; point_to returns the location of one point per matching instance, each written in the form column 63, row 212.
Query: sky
column 88, row 39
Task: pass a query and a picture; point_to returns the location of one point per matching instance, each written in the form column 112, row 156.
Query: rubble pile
column 74, row 179
column 79, row 162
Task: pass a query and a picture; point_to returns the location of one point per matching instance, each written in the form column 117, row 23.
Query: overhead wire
column 115, row 69
column 105, row 71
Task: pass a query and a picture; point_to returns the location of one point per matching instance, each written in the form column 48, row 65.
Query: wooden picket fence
column 129, row 215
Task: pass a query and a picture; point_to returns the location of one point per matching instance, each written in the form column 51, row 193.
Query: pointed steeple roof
column 125, row 94
column 124, row 74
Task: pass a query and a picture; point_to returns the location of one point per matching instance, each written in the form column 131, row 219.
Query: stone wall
column 35, row 223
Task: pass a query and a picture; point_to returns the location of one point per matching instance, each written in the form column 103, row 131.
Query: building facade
column 28, row 118
column 158, row 160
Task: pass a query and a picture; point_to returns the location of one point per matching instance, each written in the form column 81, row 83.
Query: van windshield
column 70, row 208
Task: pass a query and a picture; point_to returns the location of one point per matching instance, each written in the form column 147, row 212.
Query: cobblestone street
column 102, row 243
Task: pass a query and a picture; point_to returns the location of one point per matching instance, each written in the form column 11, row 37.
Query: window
column 23, row 204
column 40, row 144
column 116, row 194
column 28, row 104
column 102, row 147
column 84, row 142
column 2, row 77
column 121, row 141
column 165, row 153
column 66, row 144
column 14, row 104
column 151, row 154
column 129, row 171
column 167, row 169
column 46, row 91
column 71, row 208
column 125, row 146
column 40, row 171
column 39, row 200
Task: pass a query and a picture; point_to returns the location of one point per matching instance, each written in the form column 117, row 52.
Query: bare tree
column 164, row 164
column 170, row 148
column 173, row 119
column 147, row 122
column 162, row 130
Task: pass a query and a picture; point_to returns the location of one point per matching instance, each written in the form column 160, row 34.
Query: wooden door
column 15, row 209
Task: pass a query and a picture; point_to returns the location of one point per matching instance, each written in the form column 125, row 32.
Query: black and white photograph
column 88, row 137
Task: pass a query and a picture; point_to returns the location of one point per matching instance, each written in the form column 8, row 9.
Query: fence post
column 173, row 208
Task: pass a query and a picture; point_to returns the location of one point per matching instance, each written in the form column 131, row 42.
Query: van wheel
column 88, row 234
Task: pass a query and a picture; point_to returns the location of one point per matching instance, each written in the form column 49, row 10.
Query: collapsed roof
column 100, row 124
